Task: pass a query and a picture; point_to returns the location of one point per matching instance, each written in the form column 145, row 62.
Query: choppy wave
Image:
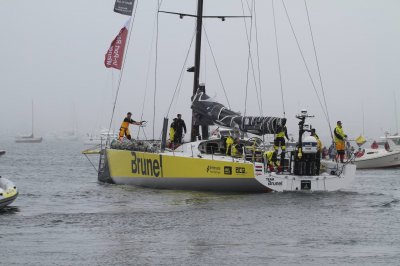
column 64, row 216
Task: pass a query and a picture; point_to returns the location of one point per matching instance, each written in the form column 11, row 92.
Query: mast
column 32, row 118
column 199, row 25
column 395, row 113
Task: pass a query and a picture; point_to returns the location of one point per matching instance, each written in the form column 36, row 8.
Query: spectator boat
column 8, row 192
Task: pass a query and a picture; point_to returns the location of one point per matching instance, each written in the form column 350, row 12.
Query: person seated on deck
column 359, row 153
column 387, row 147
column 374, row 145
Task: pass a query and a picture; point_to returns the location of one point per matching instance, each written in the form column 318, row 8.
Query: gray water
column 63, row 216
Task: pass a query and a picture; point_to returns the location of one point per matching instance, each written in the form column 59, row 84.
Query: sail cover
column 209, row 112
column 124, row 7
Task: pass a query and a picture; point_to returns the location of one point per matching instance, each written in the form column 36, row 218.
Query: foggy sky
column 53, row 53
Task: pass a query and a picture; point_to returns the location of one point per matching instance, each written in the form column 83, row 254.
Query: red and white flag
column 115, row 53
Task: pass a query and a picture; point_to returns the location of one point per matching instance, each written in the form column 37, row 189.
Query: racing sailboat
column 203, row 164
column 31, row 138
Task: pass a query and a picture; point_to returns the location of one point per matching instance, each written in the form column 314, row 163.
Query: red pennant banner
column 115, row 53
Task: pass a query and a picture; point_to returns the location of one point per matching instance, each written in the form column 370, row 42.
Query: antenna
column 363, row 118
column 395, row 113
column 32, row 118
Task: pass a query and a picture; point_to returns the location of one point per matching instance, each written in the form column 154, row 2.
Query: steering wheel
column 255, row 140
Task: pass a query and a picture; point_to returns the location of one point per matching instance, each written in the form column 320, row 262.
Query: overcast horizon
column 53, row 54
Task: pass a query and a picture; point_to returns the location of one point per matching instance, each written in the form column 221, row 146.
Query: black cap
column 339, row 122
column 129, row 113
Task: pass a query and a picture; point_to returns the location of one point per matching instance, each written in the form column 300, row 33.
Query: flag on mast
column 115, row 54
column 124, row 7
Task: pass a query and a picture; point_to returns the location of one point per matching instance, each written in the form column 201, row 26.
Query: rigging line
column 147, row 74
column 252, row 66
column 319, row 71
column 249, row 60
column 216, row 66
column 248, row 6
column 304, row 60
column 204, row 55
column 122, row 71
column 176, row 100
column 258, row 57
column 259, row 69
column 279, row 60
column 155, row 68
column 181, row 74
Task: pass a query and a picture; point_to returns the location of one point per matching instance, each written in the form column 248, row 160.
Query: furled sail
column 209, row 112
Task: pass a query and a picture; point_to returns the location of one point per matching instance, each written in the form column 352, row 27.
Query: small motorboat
column 8, row 192
column 377, row 158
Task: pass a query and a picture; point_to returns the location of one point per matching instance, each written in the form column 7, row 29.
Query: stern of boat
column 335, row 178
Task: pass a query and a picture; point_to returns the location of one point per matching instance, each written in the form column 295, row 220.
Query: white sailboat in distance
column 31, row 138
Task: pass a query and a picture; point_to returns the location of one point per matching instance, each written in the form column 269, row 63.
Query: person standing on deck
column 340, row 138
column 180, row 127
column 280, row 141
column 172, row 130
column 319, row 149
column 229, row 142
column 124, row 130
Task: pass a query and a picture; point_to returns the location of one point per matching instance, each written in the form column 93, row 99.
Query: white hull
column 8, row 192
column 94, row 142
column 28, row 140
column 323, row 182
column 378, row 158
column 67, row 138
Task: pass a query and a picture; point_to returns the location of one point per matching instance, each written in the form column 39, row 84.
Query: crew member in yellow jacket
column 280, row 141
column 124, row 130
column 319, row 149
column 340, row 138
column 270, row 160
column 229, row 142
column 235, row 148
column 172, row 130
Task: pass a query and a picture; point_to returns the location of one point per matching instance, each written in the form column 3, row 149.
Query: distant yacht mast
column 395, row 113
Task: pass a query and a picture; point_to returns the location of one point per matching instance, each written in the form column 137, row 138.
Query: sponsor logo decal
column 228, row 170
column 213, row 169
column 240, row 170
column 305, row 184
